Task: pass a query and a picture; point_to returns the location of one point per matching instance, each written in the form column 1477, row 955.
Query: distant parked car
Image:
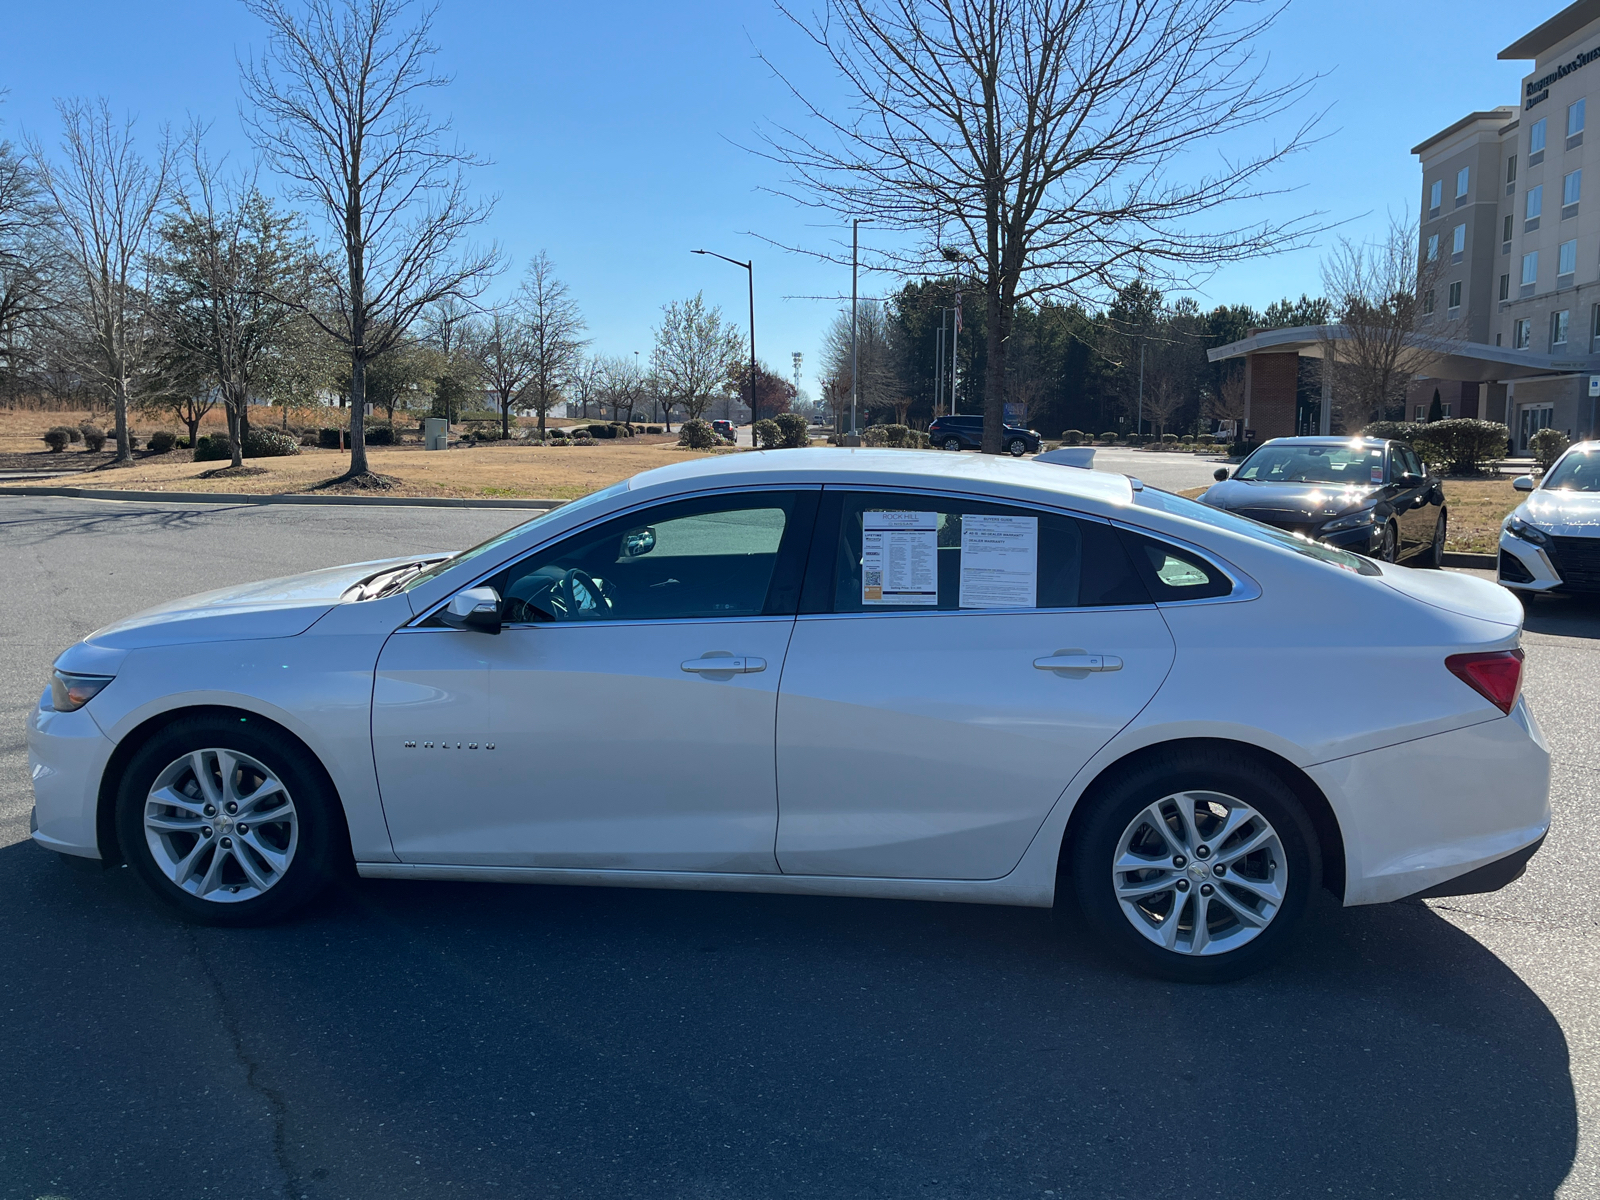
column 1365, row 495
column 966, row 433
column 1551, row 541
column 725, row 429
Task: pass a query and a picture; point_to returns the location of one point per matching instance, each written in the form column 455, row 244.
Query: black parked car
column 1369, row 496
column 966, row 433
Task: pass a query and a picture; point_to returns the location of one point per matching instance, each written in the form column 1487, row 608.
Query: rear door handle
column 725, row 666
column 1079, row 662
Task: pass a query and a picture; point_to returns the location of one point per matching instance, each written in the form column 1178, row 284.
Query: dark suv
column 966, row 433
column 725, row 428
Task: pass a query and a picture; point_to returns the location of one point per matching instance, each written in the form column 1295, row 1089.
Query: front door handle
column 1079, row 662
column 726, row 665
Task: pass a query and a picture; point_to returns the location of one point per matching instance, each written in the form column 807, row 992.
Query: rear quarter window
column 1172, row 573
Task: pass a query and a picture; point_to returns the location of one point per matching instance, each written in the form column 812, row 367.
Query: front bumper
column 1437, row 809
column 67, row 756
column 1525, row 567
column 1363, row 539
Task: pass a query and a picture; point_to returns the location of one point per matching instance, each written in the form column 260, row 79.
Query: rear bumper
column 1435, row 811
column 1490, row 877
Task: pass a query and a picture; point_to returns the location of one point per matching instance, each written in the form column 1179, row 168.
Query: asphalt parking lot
column 484, row 1041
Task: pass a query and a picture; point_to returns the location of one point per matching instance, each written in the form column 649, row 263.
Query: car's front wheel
column 1389, row 547
column 1195, row 867
column 1016, row 447
column 227, row 823
column 1433, row 556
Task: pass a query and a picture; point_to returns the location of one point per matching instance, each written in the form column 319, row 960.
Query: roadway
column 451, row 1040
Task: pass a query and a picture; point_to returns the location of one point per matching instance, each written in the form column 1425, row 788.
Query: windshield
column 1178, row 506
column 1348, row 463
column 1577, row 472
column 515, row 531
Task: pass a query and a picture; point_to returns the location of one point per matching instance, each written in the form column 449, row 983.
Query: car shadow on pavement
column 1563, row 616
column 488, row 1040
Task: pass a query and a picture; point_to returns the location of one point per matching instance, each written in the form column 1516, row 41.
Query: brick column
column 1269, row 394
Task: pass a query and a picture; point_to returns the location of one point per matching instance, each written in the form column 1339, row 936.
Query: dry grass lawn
column 517, row 471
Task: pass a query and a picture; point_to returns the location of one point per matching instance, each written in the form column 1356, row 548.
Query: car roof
column 1325, row 441
column 889, row 468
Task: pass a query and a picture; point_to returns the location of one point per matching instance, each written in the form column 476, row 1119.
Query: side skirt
column 959, row 891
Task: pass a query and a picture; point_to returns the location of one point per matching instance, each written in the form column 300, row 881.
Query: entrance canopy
column 1444, row 358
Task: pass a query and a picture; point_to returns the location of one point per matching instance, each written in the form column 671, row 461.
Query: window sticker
column 1377, row 474
column 999, row 561
column 899, row 558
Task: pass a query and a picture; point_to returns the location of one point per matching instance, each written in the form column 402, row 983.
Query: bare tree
column 1047, row 145
column 588, row 379
column 874, row 358
column 1383, row 296
column 507, row 360
column 622, row 385
column 696, row 354
column 231, row 275
column 554, row 329
column 1162, row 400
column 29, row 263
column 452, row 328
column 108, row 203
column 1227, row 403
column 336, row 108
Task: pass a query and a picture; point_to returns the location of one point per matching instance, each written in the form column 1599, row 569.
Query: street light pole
column 750, row 267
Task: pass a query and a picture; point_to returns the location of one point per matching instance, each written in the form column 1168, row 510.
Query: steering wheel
column 578, row 597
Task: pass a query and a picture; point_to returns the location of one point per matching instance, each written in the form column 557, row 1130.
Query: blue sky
column 616, row 131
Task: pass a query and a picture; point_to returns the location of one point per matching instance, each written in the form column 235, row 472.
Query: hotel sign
column 1539, row 89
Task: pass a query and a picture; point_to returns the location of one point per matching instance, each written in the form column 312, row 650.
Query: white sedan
column 846, row 672
column 1551, row 541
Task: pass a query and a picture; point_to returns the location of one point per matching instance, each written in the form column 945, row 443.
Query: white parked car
column 847, row 672
column 1551, row 541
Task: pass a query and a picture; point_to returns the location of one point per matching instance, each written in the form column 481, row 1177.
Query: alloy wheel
column 952, row 444
column 1200, row 873
column 220, row 825
column 1391, row 544
column 1017, row 448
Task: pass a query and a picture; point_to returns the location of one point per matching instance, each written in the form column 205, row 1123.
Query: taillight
column 1496, row 675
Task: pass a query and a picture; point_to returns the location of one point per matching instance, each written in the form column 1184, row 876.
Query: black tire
column 1433, row 556
column 1389, row 549
column 1016, row 447
column 1160, row 774
column 952, row 443
column 322, row 842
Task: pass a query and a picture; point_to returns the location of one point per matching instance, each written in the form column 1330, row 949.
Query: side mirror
column 1220, row 474
column 1523, row 483
column 476, row 609
column 1410, row 479
column 640, row 541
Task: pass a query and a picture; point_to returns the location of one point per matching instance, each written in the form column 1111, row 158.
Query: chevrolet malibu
column 847, row 672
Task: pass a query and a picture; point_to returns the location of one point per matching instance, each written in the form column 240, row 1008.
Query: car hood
column 1465, row 595
column 272, row 608
column 1287, row 501
column 1565, row 514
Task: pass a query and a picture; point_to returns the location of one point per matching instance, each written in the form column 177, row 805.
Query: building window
column 1455, row 296
column 1536, row 142
column 1522, row 334
column 1421, row 414
column 1505, row 287
column 1427, row 302
column 1575, row 124
column 1505, row 236
column 1461, row 186
column 1571, row 185
column 1458, row 243
column 1433, row 247
column 1530, row 271
column 1567, row 259
column 1435, row 197
column 1511, row 174
column 1558, row 328
column 1594, row 327
column 1532, row 209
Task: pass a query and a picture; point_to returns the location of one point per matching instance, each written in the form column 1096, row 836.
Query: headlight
column 1518, row 528
column 68, row 693
column 1364, row 517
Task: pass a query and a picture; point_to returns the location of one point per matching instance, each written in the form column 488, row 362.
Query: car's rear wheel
column 1195, row 867
column 1016, row 447
column 952, row 443
column 226, row 823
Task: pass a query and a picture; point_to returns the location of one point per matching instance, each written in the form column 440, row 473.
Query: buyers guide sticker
column 900, row 558
column 999, row 561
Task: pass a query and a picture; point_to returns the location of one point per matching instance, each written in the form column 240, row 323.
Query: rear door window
column 894, row 552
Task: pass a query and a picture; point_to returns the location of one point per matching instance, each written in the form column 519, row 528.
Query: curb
column 283, row 498
column 1485, row 562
